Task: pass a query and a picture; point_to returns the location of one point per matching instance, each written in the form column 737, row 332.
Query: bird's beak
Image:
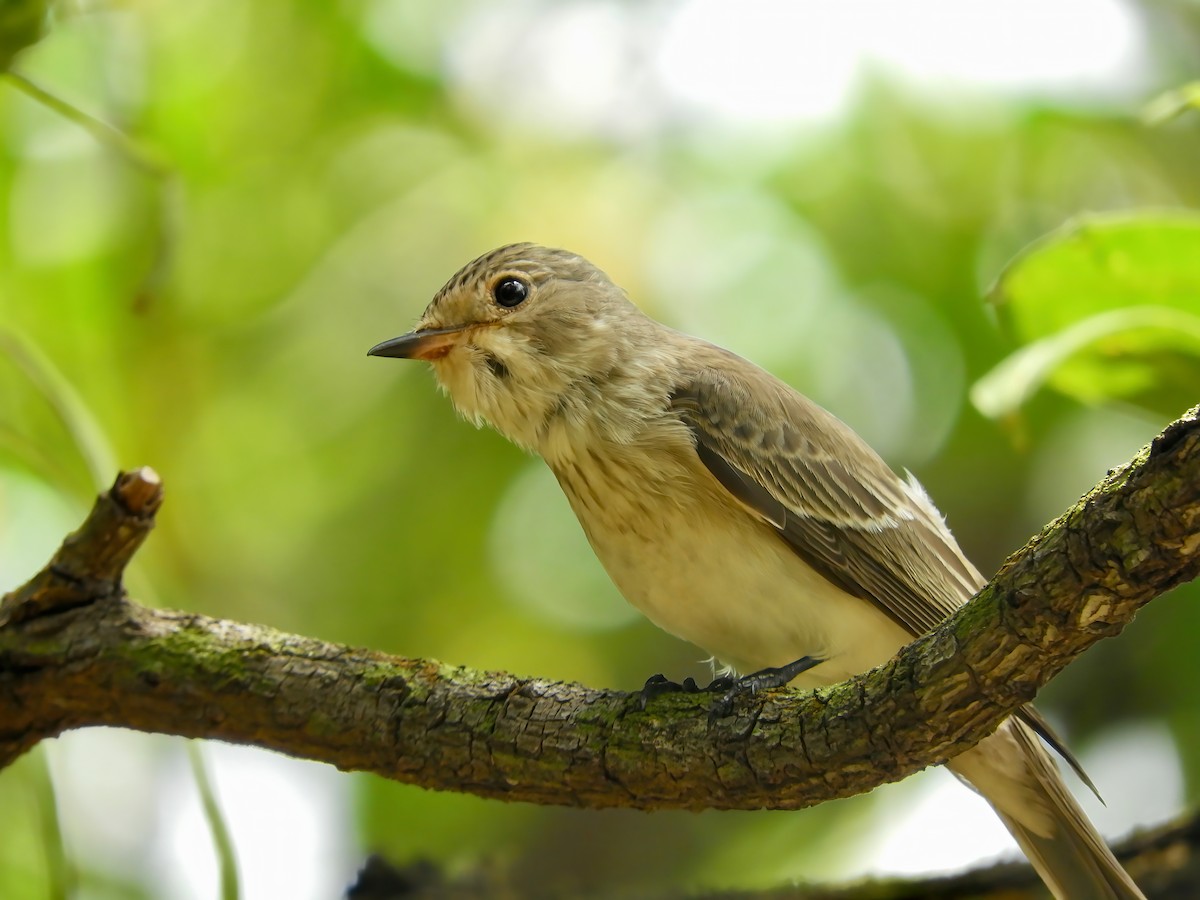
column 427, row 344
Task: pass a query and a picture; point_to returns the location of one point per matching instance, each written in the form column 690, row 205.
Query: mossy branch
column 76, row 651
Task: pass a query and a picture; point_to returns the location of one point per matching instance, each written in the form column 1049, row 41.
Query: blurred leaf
column 1108, row 307
column 331, row 165
column 29, row 862
column 21, row 25
column 108, row 135
column 1172, row 104
column 214, row 816
column 1004, row 389
column 89, row 438
column 61, row 871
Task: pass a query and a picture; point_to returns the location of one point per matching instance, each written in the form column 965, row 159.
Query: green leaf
column 1006, row 387
column 1172, row 104
column 85, row 430
column 22, row 23
column 1108, row 308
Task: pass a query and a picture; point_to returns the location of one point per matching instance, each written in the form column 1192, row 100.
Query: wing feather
column 831, row 499
column 826, row 493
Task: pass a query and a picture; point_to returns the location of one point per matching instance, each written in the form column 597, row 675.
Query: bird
column 731, row 510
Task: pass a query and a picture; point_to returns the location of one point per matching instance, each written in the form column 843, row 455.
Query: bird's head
column 521, row 337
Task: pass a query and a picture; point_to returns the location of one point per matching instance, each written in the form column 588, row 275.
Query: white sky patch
column 945, row 827
column 776, row 60
column 128, row 803
column 625, row 69
column 572, row 67
column 289, row 821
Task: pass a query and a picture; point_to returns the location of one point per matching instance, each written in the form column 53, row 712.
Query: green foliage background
column 212, row 322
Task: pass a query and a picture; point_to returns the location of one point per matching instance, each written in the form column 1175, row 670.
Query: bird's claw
column 657, row 685
column 728, row 687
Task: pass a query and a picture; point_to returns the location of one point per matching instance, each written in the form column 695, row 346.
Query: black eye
column 510, row 292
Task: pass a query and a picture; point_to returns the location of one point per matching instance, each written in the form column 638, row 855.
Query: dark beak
column 428, row 344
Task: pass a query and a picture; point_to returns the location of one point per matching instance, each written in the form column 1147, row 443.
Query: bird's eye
column 510, row 292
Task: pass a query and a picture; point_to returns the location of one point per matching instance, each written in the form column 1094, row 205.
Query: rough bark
column 75, row 651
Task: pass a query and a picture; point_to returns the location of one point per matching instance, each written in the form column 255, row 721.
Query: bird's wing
column 827, row 494
column 832, row 500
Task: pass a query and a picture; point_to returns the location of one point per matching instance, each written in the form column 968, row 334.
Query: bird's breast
column 702, row 567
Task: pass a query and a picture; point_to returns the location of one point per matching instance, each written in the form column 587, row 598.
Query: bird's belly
column 709, row 572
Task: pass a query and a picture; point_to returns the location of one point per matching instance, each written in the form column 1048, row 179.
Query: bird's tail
column 1019, row 778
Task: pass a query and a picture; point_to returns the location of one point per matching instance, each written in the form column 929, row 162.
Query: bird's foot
column 657, row 685
column 762, row 680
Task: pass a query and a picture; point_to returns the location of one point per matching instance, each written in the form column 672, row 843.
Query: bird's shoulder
column 783, row 439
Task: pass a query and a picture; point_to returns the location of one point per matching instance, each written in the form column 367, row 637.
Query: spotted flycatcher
column 731, row 510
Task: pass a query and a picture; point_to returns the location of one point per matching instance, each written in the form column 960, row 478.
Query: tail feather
column 1020, row 779
column 1071, row 868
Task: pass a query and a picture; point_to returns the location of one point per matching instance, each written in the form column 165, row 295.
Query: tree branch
column 1165, row 861
column 75, row 651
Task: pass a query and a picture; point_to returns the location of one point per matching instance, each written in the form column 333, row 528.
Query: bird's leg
column 762, row 680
